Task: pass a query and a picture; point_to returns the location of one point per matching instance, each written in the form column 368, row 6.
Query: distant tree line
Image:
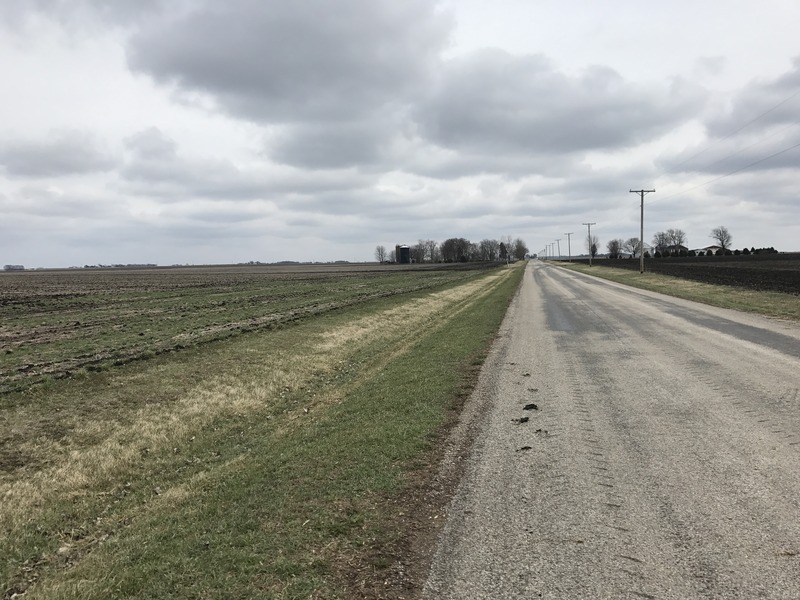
column 672, row 242
column 119, row 266
column 459, row 250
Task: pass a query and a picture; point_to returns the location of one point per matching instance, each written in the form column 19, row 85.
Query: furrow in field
column 76, row 469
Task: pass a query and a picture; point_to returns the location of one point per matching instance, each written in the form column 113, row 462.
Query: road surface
column 661, row 459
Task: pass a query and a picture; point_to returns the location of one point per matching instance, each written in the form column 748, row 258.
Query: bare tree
column 592, row 245
column 418, row 252
column 431, row 250
column 519, row 249
column 632, row 245
column 661, row 241
column 489, row 249
column 677, row 237
column 380, row 253
column 722, row 235
column 455, row 250
column 614, row 248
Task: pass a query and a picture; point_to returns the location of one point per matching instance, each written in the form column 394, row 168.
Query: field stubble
column 56, row 324
column 756, row 272
column 264, row 454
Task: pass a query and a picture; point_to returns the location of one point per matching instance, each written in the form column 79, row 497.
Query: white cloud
column 200, row 131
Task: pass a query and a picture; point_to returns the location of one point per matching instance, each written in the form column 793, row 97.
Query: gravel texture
column 662, row 459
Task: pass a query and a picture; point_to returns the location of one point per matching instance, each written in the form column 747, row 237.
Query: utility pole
column 589, row 238
column 641, row 227
column 558, row 241
column 569, row 245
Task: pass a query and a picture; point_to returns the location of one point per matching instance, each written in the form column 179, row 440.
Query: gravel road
column 660, row 458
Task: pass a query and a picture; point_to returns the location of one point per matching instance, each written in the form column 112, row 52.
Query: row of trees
column 665, row 243
column 460, row 250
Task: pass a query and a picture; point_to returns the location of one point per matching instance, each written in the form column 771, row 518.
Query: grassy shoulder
column 266, row 466
column 772, row 304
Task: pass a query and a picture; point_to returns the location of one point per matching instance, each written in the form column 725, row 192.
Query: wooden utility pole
column 558, row 241
column 641, row 226
column 569, row 246
column 589, row 239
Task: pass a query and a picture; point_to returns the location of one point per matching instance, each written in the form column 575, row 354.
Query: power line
column 740, row 169
column 761, row 141
column 733, row 133
column 719, row 141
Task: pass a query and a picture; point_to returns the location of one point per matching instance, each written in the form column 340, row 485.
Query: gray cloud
column 81, row 14
column 770, row 149
column 330, row 145
column 344, row 122
column 274, row 61
column 152, row 144
column 757, row 98
column 492, row 101
column 756, row 132
column 61, row 153
column 154, row 167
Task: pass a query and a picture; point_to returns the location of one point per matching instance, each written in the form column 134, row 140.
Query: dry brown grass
column 75, row 468
column 768, row 303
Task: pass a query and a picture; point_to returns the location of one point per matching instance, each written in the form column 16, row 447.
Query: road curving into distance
column 660, row 457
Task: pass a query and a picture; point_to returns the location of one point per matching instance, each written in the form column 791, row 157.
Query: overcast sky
column 201, row 131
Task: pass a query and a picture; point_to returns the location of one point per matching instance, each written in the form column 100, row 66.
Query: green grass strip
column 296, row 504
column 772, row 304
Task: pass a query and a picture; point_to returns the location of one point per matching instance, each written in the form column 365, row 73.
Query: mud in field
column 56, row 324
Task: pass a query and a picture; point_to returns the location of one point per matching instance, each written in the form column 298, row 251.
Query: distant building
column 402, row 254
column 648, row 251
column 705, row 250
column 13, row 268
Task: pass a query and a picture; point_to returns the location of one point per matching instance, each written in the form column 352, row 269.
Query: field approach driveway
column 660, row 458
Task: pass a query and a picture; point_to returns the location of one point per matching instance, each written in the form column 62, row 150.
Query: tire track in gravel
column 661, row 462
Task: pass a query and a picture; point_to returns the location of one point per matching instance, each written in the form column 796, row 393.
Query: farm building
column 705, row 250
column 402, row 254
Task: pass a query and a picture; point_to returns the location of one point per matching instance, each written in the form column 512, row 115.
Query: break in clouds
column 358, row 117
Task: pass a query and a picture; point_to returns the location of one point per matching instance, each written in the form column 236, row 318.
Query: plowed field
column 66, row 322
column 761, row 272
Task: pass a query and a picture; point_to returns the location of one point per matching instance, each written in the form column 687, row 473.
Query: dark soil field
column 60, row 323
column 760, row 272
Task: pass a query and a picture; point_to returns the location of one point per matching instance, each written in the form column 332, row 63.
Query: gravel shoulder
column 660, row 457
